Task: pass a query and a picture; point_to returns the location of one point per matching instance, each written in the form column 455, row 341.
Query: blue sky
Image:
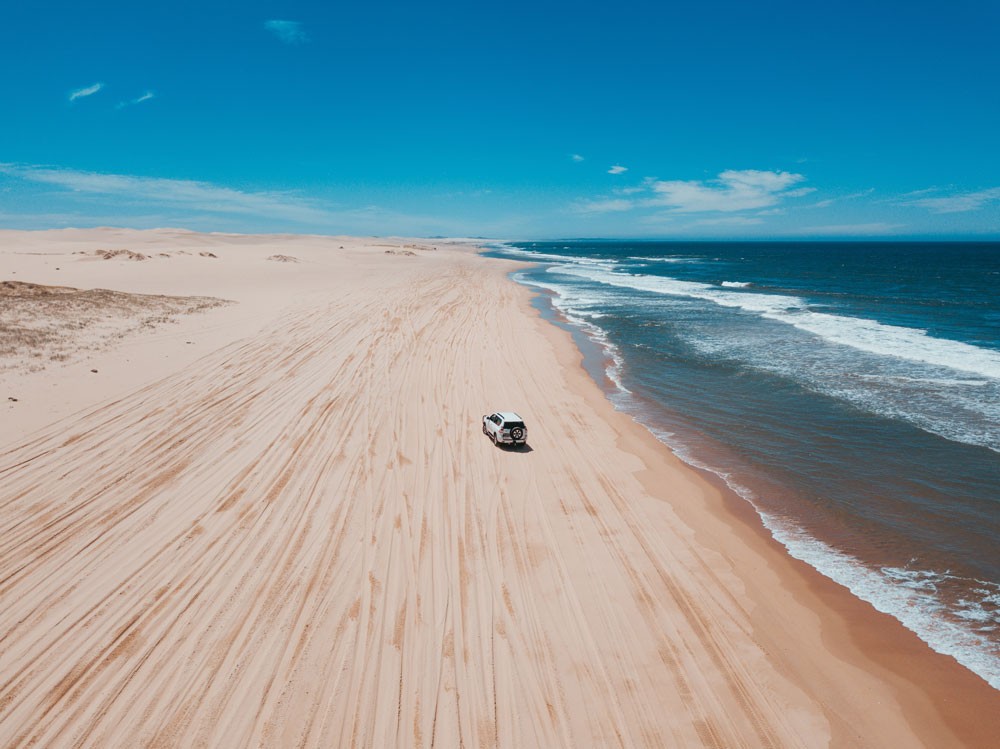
column 512, row 120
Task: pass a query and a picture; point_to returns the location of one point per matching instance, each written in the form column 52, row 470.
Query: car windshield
column 513, row 424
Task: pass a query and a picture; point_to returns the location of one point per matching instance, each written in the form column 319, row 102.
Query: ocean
column 849, row 391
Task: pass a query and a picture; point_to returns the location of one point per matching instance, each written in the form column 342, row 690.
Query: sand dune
column 299, row 536
column 44, row 324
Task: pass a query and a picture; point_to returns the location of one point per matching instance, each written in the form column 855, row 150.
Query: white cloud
column 915, row 193
column 202, row 197
column 138, row 100
column 728, row 221
column 290, row 32
column 86, row 91
column 848, row 230
column 732, row 190
column 851, row 196
column 576, row 157
column 604, row 206
column 657, row 220
column 959, row 203
column 617, row 169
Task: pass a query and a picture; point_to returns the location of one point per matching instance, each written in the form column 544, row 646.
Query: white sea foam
column 959, row 408
column 661, row 259
column 908, row 595
column 735, row 284
column 958, row 412
column 615, row 361
column 573, row 306
column 942, row 381
column 545, row 257
column 541, row 256
column 859, row 333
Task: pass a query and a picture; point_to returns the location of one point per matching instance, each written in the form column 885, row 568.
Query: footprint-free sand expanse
column 277, row 523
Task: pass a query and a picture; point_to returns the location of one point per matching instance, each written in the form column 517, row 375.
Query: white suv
column 505, row 427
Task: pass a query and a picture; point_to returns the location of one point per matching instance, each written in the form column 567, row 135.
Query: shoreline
column 298, row 535
column 851, row 628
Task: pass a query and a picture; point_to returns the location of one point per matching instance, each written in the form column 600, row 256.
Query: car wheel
column 485, row 431
column 516, row 433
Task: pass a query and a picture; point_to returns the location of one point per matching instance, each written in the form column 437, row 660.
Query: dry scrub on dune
column 124, row 254
column 41, row 324
column 120, row 255
column 425, row 247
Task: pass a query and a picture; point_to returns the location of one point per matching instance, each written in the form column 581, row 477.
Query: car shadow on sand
column 525, row 448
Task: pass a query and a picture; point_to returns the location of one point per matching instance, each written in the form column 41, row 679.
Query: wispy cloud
column 924, row 191
column 732, row 190
column 851, row 196
column 847, row 230
column 138, row 100
column 576, row 157
column 290, row 32
column 728, row 221
column 959, row 202
column 617, row 169
column 603, row 206
column 196, row 196
column 80, row 93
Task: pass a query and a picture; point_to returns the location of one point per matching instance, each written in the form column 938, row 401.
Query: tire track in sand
column 305, row 540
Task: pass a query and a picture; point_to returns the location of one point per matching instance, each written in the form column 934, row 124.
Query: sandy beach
column 245, row 500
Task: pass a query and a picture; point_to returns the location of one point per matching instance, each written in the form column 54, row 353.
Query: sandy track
column 304, row 539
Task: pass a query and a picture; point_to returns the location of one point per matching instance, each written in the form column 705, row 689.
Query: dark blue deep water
column 850, row 391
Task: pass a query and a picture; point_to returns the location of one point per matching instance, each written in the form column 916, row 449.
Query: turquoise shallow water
column 850, row 391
